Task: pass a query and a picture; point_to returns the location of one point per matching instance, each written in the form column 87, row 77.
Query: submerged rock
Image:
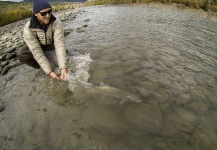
column 145, row 117
column 202, row 138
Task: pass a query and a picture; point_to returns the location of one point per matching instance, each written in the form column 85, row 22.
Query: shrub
column 206, row 5
column 213, row 8
column 196, row 5
column 11, row 12
column 13, row 15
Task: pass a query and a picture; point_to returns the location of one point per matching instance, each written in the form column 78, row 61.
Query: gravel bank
column 181, row 7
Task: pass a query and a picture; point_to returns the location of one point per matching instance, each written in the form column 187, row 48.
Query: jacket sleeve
column 59, row 43
column 36, row 50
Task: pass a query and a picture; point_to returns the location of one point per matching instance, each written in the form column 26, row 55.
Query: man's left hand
column 64, row 73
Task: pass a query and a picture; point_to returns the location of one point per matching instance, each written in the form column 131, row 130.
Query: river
column 140, row 78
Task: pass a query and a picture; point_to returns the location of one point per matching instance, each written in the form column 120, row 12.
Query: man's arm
column 64, row 73
column 54, row 75
column 59, row 42
column 36, row 50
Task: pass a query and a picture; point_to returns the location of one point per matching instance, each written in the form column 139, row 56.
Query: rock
column 2, row 64
column 13, row 33
column 85, row 25
column 14, row 39
column 9, row 50
column 5, row 36
column 182, row 99
column 11, row 60
column 45, row 110
column 104, row 120
column 1, row 68
column 2, row 108
column 149, row 85
column 143, row 92
column 3, row 46
column 11, row 55
column 11, row 65
column 212, row 99
column 5, row 70
column 80, row 30
column 203, row 138
column 9, row 44
column 144, row 117
column 3, row 82
column 185, row 113
column 87, row 20
column 19, row 43
column 67, row 31
column 3, row 56
column 10, row 75
column 161, row 96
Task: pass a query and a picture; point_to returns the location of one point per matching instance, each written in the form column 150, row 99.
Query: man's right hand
column 54, row 76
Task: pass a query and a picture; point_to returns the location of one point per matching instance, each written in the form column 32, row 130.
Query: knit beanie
column 39, row 5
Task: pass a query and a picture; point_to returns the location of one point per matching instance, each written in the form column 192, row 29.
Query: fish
column 113, row 92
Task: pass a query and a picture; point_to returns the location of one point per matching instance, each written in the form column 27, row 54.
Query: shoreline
column 181, row 7
column 172, row 6
column 11, row 36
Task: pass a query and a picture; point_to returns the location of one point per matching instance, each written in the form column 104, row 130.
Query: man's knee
column 22, row 51
column 25, row 56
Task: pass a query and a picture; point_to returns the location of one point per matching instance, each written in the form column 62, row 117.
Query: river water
column 140, row 78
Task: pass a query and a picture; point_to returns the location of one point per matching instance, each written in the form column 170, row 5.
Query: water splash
column 78, row 71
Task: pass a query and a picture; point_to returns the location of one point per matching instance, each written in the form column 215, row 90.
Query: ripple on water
column 143, row 77
column 167, row 58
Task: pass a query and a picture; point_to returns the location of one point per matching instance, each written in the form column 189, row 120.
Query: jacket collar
column 34, row 24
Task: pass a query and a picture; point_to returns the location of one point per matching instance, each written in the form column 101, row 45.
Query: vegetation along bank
column 13, row 11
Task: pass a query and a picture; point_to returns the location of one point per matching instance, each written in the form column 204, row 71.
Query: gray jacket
column 36, row 37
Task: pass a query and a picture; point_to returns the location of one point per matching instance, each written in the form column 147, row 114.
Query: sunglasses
column 46, row 12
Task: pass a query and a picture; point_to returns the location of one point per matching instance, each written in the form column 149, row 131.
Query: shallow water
column 140, row 78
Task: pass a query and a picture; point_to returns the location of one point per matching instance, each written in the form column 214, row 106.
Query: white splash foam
column 79, row 71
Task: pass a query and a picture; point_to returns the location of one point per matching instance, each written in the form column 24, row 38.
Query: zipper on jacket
column 45, row 37
column 45, row 33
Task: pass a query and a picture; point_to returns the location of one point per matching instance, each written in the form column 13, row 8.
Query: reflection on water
column 140, row 78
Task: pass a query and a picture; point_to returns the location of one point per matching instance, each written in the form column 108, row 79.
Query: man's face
column 43, row 16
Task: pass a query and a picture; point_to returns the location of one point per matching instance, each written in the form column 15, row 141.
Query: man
column 42, row 33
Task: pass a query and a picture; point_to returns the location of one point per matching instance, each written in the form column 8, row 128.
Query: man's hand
column 54, row 76
column 64, row 73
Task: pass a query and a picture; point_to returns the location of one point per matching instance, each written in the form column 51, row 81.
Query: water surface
column 140, row 78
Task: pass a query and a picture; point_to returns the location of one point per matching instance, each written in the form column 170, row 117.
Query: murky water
column 140, row 78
